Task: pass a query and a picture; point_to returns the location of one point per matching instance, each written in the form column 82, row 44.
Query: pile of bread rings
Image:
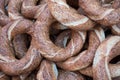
column 59, row 39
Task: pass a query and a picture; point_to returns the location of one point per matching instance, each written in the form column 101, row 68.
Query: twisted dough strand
column 48, row 71
column 46, row 46
column 30, row 9
column 69, row 16
column 8, row 63
column 114, row 70
column 14, row 9
column 4, row 19
column 108, row 49
column 84, row 58
column 105, row 16
column 116, row 29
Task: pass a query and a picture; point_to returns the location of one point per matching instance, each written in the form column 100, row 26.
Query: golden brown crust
column 9, row 11
column 84, row 58
column 46, row 46
column 4, row 19
column 14, row 8
column 114, row 70
column 75, row 48
column 8, row 63
column 107, row 50
column 67, row 75
column 105, row 16
column 30, row 9
column 47, row 71
column 69, row 16
column 116, row 29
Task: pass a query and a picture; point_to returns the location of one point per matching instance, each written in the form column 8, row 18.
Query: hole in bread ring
column 84, row 58
column 46, row 47
column 8, row 63
column 107, row 50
